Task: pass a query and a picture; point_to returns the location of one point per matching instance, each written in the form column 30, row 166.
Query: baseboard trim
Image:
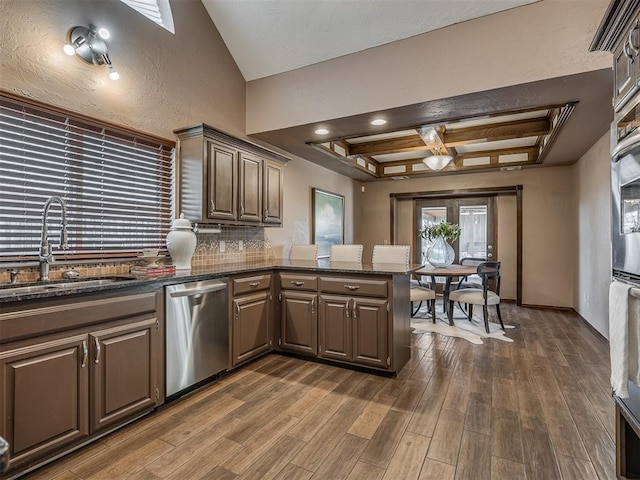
column 591, row 327
column 548, row 307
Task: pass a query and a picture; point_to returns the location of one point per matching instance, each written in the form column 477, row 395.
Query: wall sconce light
column 88, row 44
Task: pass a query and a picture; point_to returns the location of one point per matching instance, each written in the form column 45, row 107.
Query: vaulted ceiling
column 267, row 37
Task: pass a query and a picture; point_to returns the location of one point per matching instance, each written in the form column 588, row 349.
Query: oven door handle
column 198, row 291
column 625, row 145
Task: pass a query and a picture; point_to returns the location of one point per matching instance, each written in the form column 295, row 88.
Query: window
column 116, row 183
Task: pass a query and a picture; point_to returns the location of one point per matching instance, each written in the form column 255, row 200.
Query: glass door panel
column 473, row 231
column 475, row 216
column 430, row 216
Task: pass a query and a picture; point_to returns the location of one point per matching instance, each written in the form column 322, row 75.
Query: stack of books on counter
column 152, row 270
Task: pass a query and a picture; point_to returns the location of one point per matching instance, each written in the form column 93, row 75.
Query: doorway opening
column 488, row 218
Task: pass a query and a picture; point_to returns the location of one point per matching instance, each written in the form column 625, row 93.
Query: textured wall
column 546, row 39
column 593, row 237
column 300, row 177
column 166, row 81
column 549, row 223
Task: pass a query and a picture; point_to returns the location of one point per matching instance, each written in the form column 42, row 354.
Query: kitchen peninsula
column 88, row 338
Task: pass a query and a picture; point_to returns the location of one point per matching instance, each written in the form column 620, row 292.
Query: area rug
column 473, row 331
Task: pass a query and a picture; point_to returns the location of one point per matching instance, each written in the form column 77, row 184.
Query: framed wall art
column 327, row 223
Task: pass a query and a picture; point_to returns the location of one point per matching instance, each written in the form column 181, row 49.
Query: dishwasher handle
column 192, row 292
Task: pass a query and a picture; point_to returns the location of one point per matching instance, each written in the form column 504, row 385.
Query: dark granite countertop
column 8, row 293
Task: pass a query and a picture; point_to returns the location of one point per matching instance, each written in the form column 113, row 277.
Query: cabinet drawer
column 354, row 286
column 251, row 284
column 298, row 282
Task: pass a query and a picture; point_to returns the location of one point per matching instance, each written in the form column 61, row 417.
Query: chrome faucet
column 46, row 257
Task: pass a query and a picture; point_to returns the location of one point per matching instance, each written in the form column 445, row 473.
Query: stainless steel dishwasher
column 197, row 333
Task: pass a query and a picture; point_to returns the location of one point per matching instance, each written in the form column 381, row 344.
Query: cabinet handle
column 355, row 309
column 627, row 53
column 348, row 306
column 241, row 209
column 266, row 212
column 313, row 306
column 97, row 344
column 298, row 283
column 633, row 48
column 85, row 353
column 212, row 206
column 254, row 284
column 237, row 311
column 352, row 287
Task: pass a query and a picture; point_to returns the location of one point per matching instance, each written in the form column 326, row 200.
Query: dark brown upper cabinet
column 250, row 188
column 221, row 182
column 272, row 193
column 225, row 180
column 619, row 33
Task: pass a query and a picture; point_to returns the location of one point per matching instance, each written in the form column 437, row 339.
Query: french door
column 476, row 218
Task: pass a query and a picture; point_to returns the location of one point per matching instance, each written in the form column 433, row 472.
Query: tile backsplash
column 241, row 244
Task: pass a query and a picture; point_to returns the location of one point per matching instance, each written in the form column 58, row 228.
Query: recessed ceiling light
column 322, row 131
column 378, row 121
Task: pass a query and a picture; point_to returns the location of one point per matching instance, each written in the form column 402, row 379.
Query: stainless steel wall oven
column 625, row 196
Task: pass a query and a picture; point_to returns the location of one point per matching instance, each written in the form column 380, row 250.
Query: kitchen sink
column 53, row 286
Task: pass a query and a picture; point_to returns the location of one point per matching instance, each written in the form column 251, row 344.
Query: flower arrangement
column 450, row 231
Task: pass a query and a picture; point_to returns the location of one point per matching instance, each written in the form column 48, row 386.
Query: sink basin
column 48, row 287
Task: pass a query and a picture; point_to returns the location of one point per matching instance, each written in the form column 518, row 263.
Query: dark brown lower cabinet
column 299, row 322
column 45, row 396
column 123, row 372
column 72, row 370
column 334, row 323
column 354, row 329
column 370, row 332
column 251, row 330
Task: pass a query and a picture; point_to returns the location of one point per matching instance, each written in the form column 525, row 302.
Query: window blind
column 116, row 184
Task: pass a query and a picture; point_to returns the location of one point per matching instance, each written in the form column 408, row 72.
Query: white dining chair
column 346, row 253
column 401, row 254
column 304, row 252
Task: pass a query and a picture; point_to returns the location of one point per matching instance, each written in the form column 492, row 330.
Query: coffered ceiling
column 505, row 140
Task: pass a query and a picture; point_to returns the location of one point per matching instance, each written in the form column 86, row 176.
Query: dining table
column 449, row 273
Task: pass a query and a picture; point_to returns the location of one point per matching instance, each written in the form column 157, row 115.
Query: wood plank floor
column 537, row 408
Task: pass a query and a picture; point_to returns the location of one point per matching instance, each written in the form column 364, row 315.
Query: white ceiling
column 267, row 37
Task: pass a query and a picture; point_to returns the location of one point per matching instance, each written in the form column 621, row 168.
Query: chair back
column 346, row 253
column 399, row 254
column 489, row 271
column 472, row 261
column 303, row 252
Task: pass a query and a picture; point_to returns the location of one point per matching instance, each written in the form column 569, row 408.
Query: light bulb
column 113, row 75
column 69, row 50
column 322, row 131
column 104, row 33
column 378, row 121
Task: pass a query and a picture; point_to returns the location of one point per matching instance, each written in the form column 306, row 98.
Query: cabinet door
column 45, row 399
column 623, row 81
column 123, row 372
column 369, row 318
column 335, row 327
column 250, row 188
column 273, row 189
column 299, row 326
column 221, row 182
column 251, row 331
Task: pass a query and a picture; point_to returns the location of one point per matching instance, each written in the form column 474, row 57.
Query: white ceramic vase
column 440, row 253
column 181, row 243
